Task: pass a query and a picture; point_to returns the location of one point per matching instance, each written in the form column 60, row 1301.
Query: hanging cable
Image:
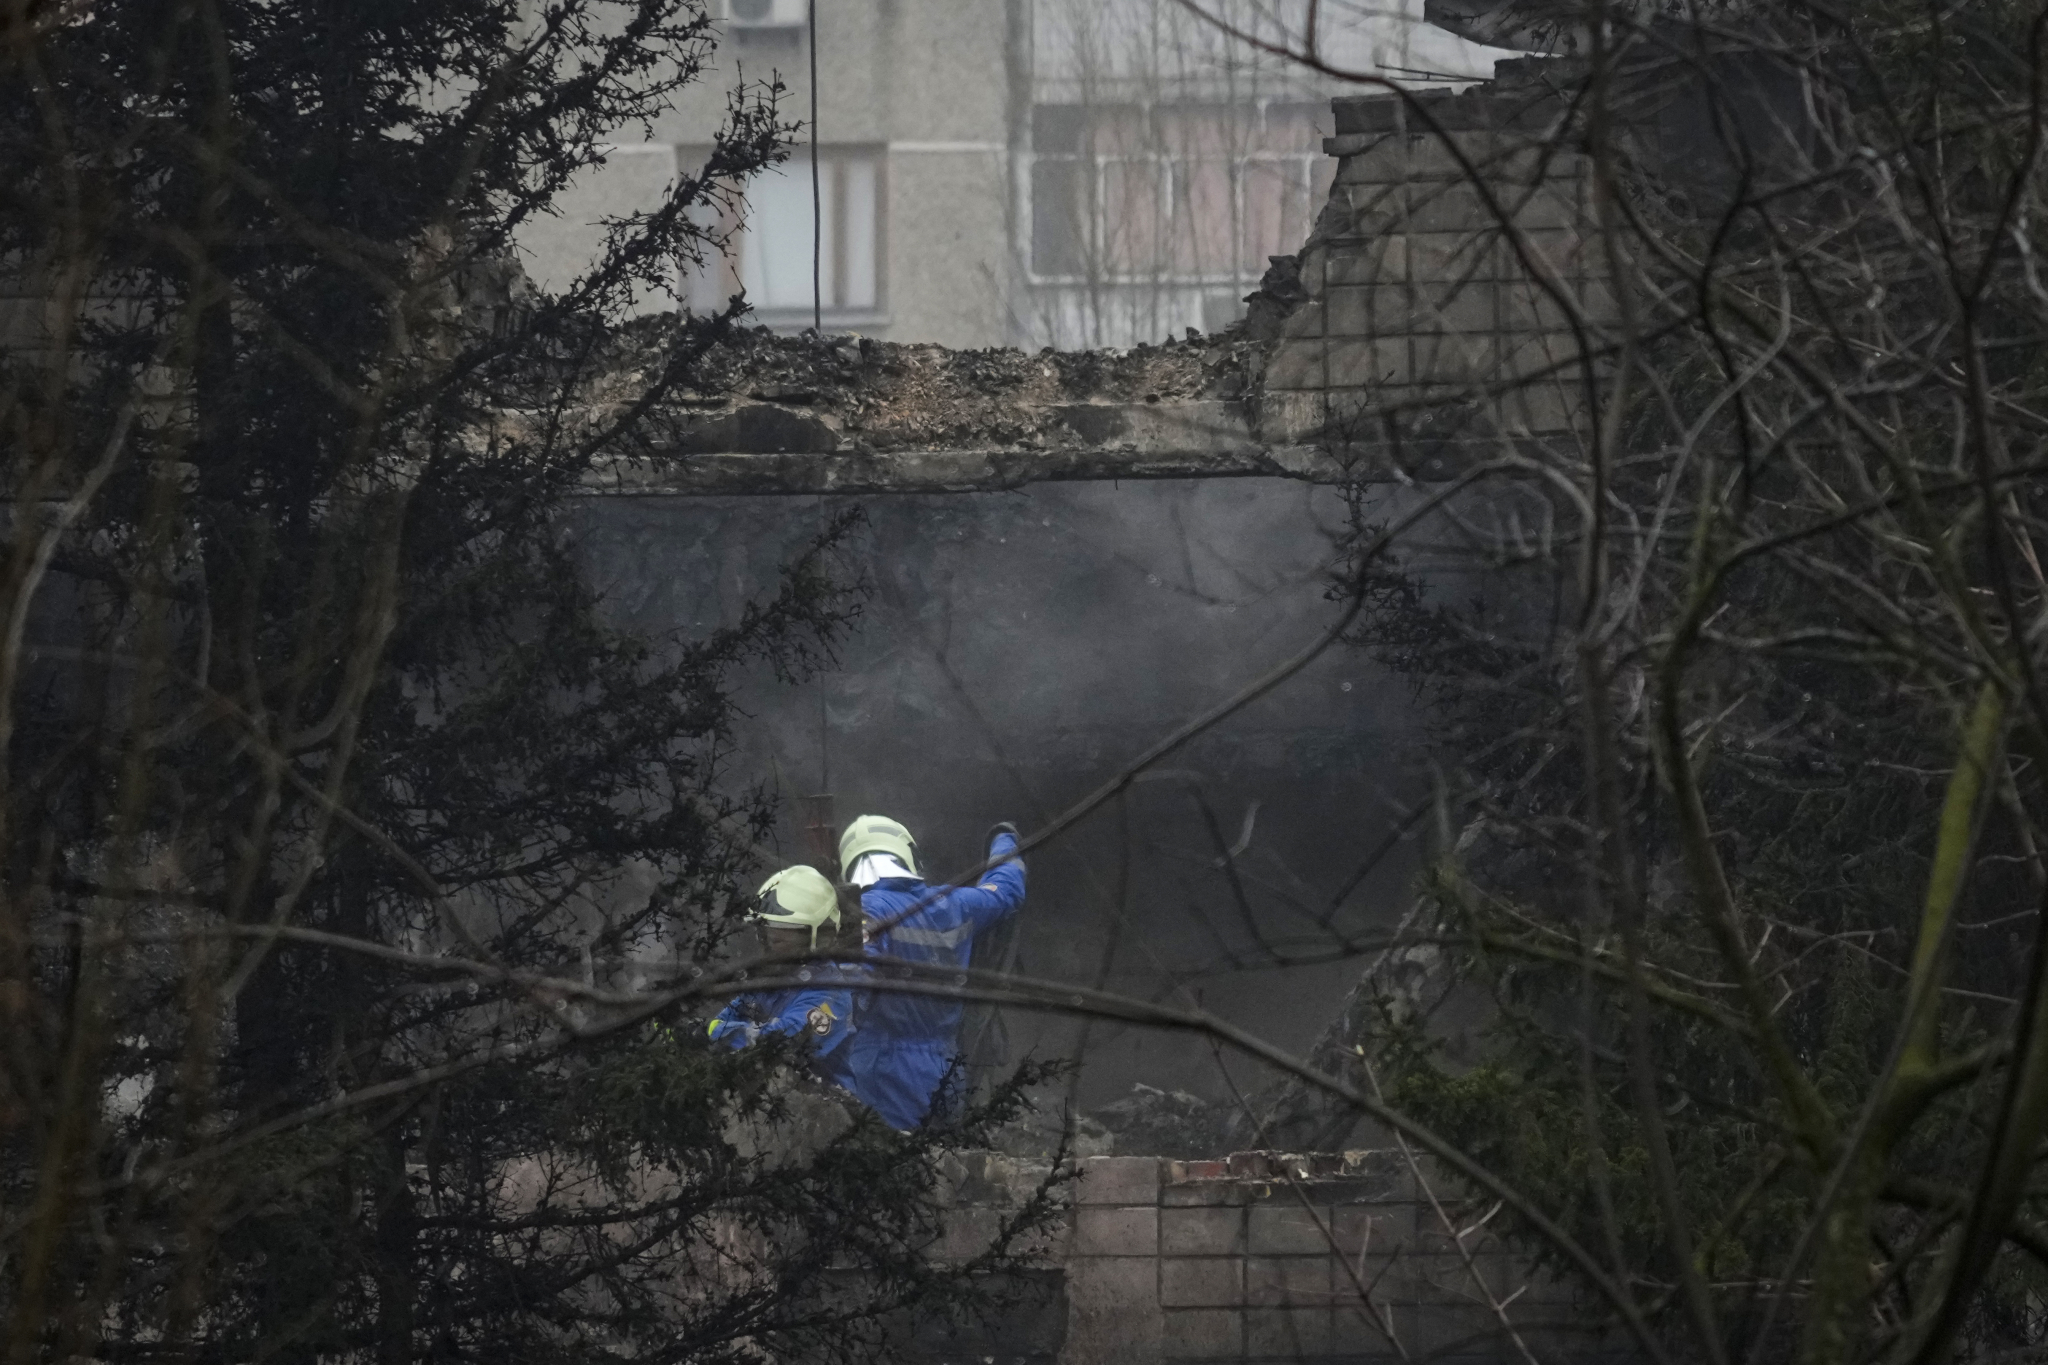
column 819, row 818
column 817, row 203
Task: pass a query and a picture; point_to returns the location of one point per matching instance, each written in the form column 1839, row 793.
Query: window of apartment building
column 770, row 24
column 769, row 253
column 1191, row 192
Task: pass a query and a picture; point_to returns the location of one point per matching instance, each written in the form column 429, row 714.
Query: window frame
column 732, row 228
column 1167, row 168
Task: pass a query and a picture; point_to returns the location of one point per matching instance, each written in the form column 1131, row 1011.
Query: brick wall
column 1441, row 280
column 1264, row 1257
column 1269, row 1257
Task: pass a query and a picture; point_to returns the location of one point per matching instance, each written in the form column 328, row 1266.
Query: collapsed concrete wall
column 1438, row 308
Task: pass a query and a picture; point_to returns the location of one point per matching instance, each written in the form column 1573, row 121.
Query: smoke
column 1017, row 650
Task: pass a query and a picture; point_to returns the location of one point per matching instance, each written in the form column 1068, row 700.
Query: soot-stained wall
column 1017, row 649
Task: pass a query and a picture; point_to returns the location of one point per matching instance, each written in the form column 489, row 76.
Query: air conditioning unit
column 767, row 13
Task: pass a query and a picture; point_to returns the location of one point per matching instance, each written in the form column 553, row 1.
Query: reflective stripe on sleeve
column 933, row 938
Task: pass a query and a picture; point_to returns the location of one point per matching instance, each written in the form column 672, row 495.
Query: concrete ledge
column 1524, row 93
column 940, row 471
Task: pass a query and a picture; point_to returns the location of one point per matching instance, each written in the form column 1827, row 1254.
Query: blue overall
column 904, row 1048
column 798, row 1011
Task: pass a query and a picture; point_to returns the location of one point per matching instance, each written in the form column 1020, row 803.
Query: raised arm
column 1000, row 890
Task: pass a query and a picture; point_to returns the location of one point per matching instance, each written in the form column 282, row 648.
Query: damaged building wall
column 1446, row 295
column 1028, row 638
column 1104, row 578
column 1433, row 313
column 1140, row 532
column 1264, row 1256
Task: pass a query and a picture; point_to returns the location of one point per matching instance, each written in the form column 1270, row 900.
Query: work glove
column 989, row 845
column 740, row 1035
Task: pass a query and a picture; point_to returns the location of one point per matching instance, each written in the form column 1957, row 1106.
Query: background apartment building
column 1014, row 172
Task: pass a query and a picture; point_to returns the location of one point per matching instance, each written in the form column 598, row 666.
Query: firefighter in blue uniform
column 790, row 908
column 904, row 1050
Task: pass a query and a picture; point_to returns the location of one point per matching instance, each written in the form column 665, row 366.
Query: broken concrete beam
column 764, row 414
column 747, row 451
column 936, row 471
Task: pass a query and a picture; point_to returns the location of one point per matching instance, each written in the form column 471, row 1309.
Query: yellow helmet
column 798, row 898
column 876, row 834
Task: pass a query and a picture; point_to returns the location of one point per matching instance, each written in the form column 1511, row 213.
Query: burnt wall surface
column 1015, row 651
